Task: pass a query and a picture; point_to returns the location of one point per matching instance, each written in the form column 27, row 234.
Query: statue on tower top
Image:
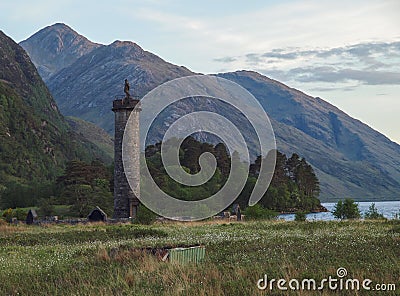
column 126, row 91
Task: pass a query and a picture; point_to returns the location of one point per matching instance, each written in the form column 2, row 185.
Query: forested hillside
column 35, row 140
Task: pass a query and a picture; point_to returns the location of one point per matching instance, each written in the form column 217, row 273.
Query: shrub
column 257, row 212
column 8, row 214
column 395, row 229
column 20, row 214
column 397, row 216
column 46, row 206
column 300, row 216
column 346, row 209
column 373, row 213
column 145, row 216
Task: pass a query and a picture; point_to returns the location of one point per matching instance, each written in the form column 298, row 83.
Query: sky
column 346, row 52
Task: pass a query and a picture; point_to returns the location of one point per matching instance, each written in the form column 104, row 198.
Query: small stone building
column 31, row 217
column 97, row 215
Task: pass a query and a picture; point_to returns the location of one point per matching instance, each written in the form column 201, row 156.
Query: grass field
column 75, row 260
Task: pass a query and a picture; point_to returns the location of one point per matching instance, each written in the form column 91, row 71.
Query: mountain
column 96, row 78
column 86, row 87
column 56, row 47
column 350, row 158
column 35, row 140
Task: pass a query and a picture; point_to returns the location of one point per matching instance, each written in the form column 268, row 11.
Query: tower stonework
column 125, row 200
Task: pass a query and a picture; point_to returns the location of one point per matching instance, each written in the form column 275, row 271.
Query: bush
column 46, row 207
column 145, row 216
column 346, row 209
column 373, row 213
column 8, row 214
column 300, row 216
column 397, row 216
column 257, row 212
column 20, row 214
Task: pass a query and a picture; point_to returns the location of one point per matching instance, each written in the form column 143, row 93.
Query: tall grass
column 108, row 259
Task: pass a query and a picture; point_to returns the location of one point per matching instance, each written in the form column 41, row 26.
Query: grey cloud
column 366, row 49
column 278, row 55
column 372, row 77
column 361, row 51
column 329, row 53
column 225, row 59
column 325, row 89
column 374, row 63
column 330, row 74
column 253, row 58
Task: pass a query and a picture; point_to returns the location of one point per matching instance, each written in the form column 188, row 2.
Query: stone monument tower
column 125, row 201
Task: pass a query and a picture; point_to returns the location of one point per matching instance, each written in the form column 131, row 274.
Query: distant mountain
column 350, row 158
column 56, row 47
column 86, row 87
column 35, row 140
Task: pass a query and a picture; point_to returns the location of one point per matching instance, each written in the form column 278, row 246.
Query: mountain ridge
column 82, row 95
column 63, row 45
column 336, row 129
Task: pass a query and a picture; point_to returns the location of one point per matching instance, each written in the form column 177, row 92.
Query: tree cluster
column 294, row 185
column 84, row 186
column 346, row 209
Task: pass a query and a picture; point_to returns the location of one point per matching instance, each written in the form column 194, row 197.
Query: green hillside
column 93, row 133
column 35, row 140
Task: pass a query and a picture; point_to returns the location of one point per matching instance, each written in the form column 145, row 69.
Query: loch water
column 388, row 208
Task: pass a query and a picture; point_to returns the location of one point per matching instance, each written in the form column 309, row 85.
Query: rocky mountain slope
column 35, row 140
column 351, row 159
column 87, row 87
column 56, row 47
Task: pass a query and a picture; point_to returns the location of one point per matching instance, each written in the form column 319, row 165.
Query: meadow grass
column 79, row 260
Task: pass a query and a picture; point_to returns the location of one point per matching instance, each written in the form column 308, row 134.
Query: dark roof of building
column 97, row 209
column 33, row 212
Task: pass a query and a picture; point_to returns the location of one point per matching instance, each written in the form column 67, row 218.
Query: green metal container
column 187, row 255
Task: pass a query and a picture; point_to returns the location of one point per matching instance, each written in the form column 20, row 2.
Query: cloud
column 325, row 89
column 279, row 55
column 373, row 63
column 253, row 59
column 360, row 51
column 330, row 74
column 225, row 59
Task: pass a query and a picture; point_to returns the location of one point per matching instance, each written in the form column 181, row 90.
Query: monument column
column 125, row 201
